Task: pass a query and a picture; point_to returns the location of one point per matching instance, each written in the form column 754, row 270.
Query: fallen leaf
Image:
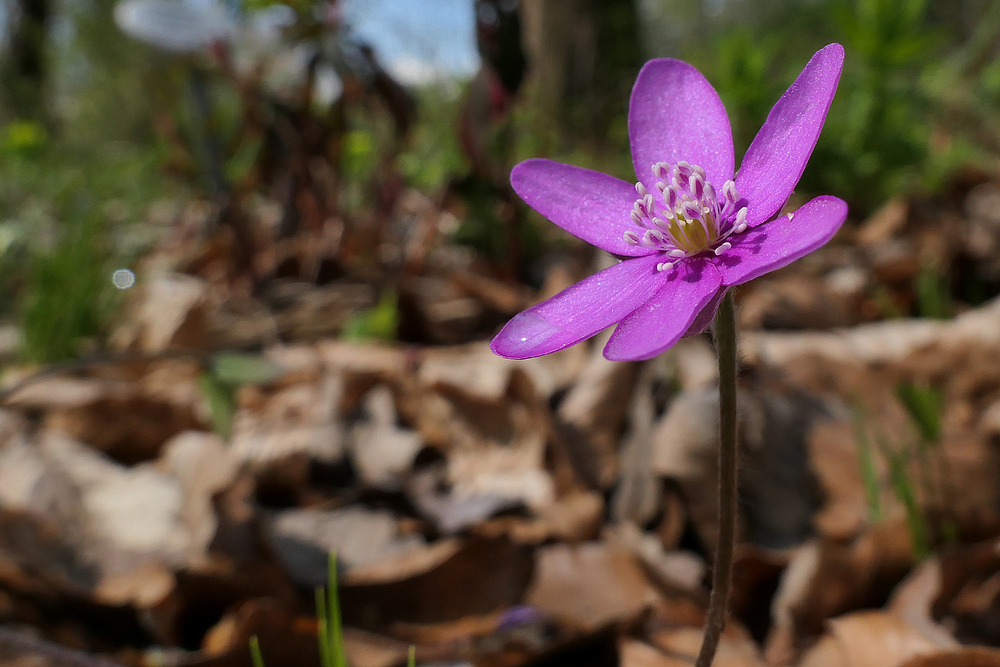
column 589, row 585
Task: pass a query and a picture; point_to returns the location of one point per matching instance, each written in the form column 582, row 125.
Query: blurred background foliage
column 97, row 128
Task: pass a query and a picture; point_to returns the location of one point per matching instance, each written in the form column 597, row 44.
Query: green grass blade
column 336, row 631
column 323, row 629
column 914, row 517
column 255, row 655
column 866, row 462
column 411, row 657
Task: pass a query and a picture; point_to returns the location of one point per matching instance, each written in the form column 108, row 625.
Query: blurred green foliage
column 892, row 126
column 380, row 322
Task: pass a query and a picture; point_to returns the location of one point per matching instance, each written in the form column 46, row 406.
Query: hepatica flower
column 689, row 229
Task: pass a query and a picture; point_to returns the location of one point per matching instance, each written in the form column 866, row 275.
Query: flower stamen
column 689, row 217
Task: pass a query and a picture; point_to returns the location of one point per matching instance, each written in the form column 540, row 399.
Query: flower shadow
column 747, row 245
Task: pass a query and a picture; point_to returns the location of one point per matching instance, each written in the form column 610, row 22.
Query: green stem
column 722, row 572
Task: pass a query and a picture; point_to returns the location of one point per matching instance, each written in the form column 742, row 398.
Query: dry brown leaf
column 302, row 538
column 168, row 311
column 589, row 585
column 634, row 653
column 366, row 649
column 884, row 223
column 382, row 451
column 913, row 601
column 301, row 419
column 573, row 518
column 970, row 656
column 445, row 582
column 868, row 639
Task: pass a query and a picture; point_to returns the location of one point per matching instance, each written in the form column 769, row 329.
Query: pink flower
column 689, row 229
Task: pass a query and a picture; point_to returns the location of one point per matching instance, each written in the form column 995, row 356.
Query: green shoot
column 330, row 632
column 411, row 657
column 255, row 654
column 903, row 488
column 869, row 477
column 933, row 293
column 924, row 405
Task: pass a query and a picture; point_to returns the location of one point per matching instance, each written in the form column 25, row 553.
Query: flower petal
column 589, row 205
column 675, row 114
column 779, row 243
column 666, row 317
column 777, row 157
column 707, row 314
column 579, row 312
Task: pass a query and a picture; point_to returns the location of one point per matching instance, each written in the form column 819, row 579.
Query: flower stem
column 722, row 572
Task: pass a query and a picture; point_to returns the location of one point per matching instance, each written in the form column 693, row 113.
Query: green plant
column 225, row 372
column 933, row 293
column 925, row 406
column 69, row 293
column 869, row 476
column 330, row 631
column 380, row 322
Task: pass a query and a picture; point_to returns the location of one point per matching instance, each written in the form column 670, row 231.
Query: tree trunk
column 23, row 71
column 583, row 56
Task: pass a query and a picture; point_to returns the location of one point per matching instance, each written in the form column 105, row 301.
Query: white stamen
column 688, row 216
column 710, row 194
column 790, row 215
column 741, row 217
column 697, row 186
column 729, row 191
column 664, row 266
